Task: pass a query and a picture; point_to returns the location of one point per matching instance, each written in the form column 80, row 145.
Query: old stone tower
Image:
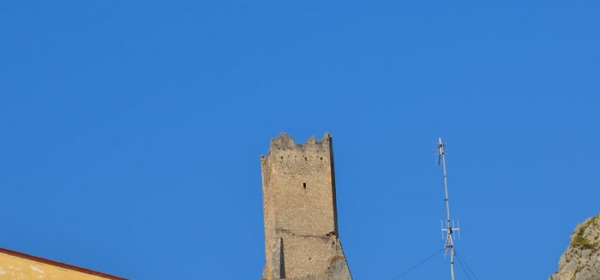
column 301, row 233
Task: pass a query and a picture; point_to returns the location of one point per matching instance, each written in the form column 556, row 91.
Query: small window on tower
column 304, row 185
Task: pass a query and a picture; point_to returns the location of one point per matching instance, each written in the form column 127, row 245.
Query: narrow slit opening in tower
column 304, row 185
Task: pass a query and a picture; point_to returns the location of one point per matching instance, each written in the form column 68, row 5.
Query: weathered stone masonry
column 300, row 216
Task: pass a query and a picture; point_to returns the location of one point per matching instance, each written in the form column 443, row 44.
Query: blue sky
column 130, row 132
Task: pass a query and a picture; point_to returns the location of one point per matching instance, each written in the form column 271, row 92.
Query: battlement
column 301, row 237
column 284, row 141
column 286, row 148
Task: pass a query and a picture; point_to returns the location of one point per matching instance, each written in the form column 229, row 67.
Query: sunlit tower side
column 449, row 228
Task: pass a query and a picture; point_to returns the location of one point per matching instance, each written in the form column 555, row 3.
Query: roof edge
column 59, row 264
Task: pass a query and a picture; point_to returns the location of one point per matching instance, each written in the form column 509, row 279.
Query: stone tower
column 301, row 232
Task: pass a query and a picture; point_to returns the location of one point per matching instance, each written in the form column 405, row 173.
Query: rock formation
column 581, row 260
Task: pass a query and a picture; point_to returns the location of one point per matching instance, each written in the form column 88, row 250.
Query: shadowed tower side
column 301, row 236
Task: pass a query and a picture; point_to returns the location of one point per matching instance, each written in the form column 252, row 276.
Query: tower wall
column 301, row 237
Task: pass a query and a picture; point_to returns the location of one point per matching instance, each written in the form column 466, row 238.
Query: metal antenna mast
column 449, row 229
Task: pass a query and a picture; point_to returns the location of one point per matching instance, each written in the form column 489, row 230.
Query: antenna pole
column 449, row 246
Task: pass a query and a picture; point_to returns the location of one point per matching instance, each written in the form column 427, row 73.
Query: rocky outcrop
column 581, row 260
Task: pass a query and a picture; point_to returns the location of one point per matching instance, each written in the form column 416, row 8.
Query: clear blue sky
column 131, row 131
